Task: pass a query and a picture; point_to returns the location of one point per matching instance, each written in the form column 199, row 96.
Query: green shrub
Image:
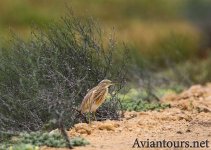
column 33, row 140
column 52, row 72
column 143, row 105
column 137, row 100
column 23, row 147
column 50, row 140
column 40, row 139
column 78, row 141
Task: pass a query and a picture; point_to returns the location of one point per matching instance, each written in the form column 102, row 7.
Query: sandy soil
column 189, row 119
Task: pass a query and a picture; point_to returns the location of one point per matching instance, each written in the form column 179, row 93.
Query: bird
column 95, row 97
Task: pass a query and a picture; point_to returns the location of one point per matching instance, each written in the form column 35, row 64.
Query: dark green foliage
column 52, row 72
column 143, row 105
column 38, row 139
column 50, row 140
column 137, row 100
column 78, row 141
column 20, row 147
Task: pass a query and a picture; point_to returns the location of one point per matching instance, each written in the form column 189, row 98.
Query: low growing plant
column 141, row 105
column 136, row 100
column 34, row 140
column 23, row 147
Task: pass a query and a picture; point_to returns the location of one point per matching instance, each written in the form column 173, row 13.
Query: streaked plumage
column 95, row 97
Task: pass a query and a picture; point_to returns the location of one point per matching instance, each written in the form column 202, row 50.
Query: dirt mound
column 189, row 119
column 196, row 98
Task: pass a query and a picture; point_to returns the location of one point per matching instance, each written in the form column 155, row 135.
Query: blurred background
column 169, row 38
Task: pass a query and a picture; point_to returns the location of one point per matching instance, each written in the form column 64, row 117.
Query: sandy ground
column 189, row 119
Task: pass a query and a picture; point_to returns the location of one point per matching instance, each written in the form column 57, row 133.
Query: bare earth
column 189, row 119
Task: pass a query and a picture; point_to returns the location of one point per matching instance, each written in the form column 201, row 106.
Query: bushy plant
column 140, row 105
column 51, row 73
column 23, row 147
column 40, row 139
column 78, row 141
column 50, row 140
column 137, row 100
column 34, row 140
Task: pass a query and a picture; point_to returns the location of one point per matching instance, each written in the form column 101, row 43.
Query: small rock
column 84, row 131
column 107, row 126
column 82, row 128
column 130, row 115
column 130, row 129
column 185, row 117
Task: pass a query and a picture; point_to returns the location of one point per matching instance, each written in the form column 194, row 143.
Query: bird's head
column 106, row 83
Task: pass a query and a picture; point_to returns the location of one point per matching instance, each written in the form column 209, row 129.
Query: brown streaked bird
column 95, row 97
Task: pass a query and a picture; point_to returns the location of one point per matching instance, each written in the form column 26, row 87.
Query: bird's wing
column 99, row 96
column 87, row 101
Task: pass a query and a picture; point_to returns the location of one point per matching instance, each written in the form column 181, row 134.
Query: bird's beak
column 113, row 83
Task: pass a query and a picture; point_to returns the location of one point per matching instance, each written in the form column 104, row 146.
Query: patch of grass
column 143, row 105
column 135, row 100
column 23, row 147
column 33, row 140
column 78, row 141
column 40, row 139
